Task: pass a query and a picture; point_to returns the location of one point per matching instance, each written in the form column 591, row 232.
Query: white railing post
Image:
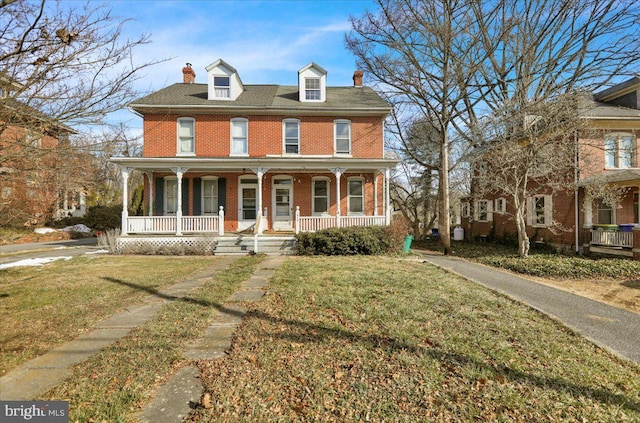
column 221, row 221
column 297, row 219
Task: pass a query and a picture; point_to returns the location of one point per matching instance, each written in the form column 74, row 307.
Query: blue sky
column 266, row 41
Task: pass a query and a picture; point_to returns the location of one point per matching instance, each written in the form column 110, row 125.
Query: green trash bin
column 407, row 243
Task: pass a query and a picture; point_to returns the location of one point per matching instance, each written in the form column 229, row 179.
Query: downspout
column 576, row 193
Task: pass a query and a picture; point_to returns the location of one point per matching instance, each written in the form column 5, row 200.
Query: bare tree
column 532, row 153
column 63, row 68
column 424, row 56
column 540, row 54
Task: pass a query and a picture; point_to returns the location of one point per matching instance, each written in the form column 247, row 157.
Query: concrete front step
column 241, row 244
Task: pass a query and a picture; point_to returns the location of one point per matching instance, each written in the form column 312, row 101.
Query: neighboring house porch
column 614, row 230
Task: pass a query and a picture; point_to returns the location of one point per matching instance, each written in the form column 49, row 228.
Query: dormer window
column 312, row 89
column 312, row 83
column 221, row 86
column 223, row 81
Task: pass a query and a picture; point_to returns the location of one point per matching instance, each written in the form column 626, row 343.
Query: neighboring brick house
column 574, row 219
column 35, row 183
column 228, row 156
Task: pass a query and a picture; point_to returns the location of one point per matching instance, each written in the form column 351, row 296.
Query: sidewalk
column 609, row 327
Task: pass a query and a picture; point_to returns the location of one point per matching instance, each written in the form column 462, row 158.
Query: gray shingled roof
column 268, row 97
column 600, row 110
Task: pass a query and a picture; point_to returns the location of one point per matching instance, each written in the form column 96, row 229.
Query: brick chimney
column 357, row 78
column 188, row 74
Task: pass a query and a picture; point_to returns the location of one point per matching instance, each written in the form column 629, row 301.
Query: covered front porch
column 614, row 229
column 193, row 196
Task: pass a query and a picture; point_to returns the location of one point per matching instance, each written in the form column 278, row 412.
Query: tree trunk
column 523, row 239
column 443, row 187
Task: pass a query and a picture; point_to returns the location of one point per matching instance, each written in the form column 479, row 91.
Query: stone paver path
column 37, row 376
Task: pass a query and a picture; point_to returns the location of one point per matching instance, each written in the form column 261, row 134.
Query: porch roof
column 623, row 177
column 238, row 164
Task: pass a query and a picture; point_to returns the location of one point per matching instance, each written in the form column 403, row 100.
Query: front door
column 248, row 203
column 282, row 200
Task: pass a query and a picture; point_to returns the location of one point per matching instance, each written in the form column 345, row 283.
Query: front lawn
column 387, row 339
column 45, row 306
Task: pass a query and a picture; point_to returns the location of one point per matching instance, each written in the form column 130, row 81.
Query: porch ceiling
column 237, row 164
column 623, row 177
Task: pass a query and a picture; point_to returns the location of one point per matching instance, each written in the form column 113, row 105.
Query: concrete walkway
column 174, row 400
column 609, row 327
column 36, row 376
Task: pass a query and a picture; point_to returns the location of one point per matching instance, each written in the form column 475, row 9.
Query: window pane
column 221, row 81
column 312, row 83
column 355, row 187
column 320, row 205
column 320, row 188
column 291, row 129
column 291, row 149
column 610, row 152
column 342, row 129
column 626, row 152
column 355, row 205
column 239, row 128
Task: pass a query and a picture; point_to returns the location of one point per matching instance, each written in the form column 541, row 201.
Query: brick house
column 224, row 156
column 35, row 187
column 608, row 154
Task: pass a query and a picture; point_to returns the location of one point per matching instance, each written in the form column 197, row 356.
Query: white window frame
column 533, row 212
column 500, row 206
column 465, row 210
column 602, row 207
column 336, row 123
column 615, row 157
column 167, row 181
column 180, row 136
column 234, row 139
column 484, row 214
column 222, row 91
column 204, row 196
column 286, row 140
column 350, row 196
column 313, row 93
column 314, row 196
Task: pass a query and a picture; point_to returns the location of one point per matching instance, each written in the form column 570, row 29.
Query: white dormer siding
column 312, row 83
column 224, row 81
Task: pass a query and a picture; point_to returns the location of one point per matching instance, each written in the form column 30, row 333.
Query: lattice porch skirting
column 167, row 245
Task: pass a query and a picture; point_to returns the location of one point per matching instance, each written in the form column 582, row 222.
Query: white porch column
column 375, row 192
column 338, row 171
column 260, row 171
column 387, row 198
column 150, row 178
column 179, row 171
column 125, row 200
column 588, row 212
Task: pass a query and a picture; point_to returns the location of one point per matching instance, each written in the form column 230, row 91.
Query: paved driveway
column 609, row 327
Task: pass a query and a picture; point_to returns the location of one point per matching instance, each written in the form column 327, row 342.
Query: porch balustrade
column 168, row 224
column 612, row 238
column 316, row 223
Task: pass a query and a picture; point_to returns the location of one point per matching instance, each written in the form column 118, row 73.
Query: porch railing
column 612, row 238
column 169, row 224
column 316, row 223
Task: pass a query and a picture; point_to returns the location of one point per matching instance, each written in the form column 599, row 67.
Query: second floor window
column 239, row 138
column 186, row 136
column 620, row 150
column 312, row 89
column 483, row 211
column 343, row 137
column 221, row 86
column 291, row 136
